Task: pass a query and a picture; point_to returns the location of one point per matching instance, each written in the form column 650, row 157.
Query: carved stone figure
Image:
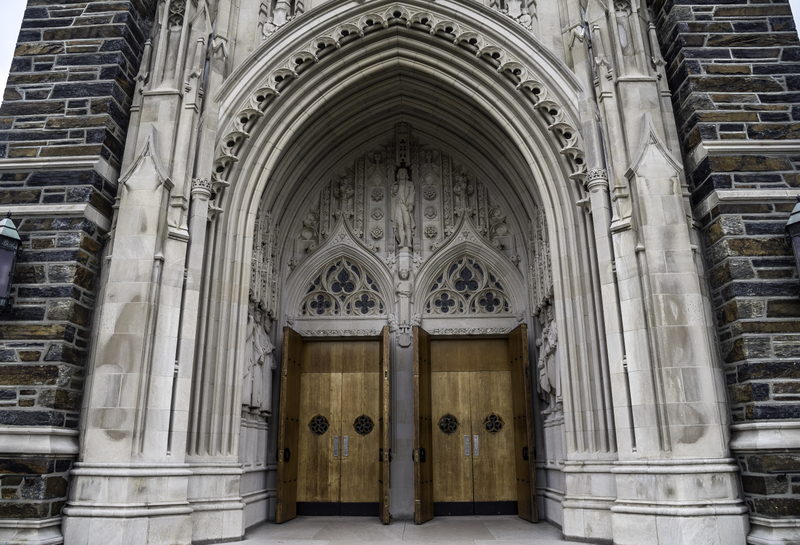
column 462, row 190
column 265, row 364
column 249, row 355
column 547, row 363
column 403, row 194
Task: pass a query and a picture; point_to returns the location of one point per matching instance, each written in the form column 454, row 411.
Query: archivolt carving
column 495, row 54
column 467, row 286
column 342, row 288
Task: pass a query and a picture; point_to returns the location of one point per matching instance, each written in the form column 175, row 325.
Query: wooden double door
column 333, row 442
column 473, row 435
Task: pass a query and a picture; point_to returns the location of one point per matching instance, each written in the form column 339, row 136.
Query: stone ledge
column 81, row 210
column 36, row 164
column 40, row 441
column 764, row 531
column 760, row 436
column 759, row 196
column 31, row 532
column 716, row 148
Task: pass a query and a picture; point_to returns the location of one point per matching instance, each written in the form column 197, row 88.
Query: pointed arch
column 466, row 243
column 370, row 273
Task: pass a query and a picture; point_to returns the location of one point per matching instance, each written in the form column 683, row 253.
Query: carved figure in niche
column 343, row 190
column 547, row 363
column 462, row 190
column 378, row 165
column 259, row 360
column 309, row 234
column 249, row 354
column 404, row 289
column 498, row 229
column 403, row 194
column 265, row 364
column 266, row 26
column 525, row 19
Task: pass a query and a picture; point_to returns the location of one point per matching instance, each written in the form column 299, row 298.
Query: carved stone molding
column 461, row 34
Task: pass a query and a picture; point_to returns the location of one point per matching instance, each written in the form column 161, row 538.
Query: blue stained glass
column 364, row 304
column 489, row 301
column 320, row 304
column 445, row 303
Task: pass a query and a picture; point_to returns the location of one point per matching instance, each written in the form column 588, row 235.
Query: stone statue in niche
column 265, row 23
column 259, row 361
column 404, row 289
column 547, row 363
column 309, row 234
column 403, row 195
column 462, row 190
column 343, row 190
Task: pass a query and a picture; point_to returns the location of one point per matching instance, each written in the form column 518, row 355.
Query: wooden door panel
column 524, row 453
column 384, row 426
column 452, row 463
column 359, row 456
column 286, row 507
column 493, row 459
column 319, row 470
column 469, row 355
column 423, row 452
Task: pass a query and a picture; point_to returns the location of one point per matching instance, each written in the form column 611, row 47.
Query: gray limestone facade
column 199, row 185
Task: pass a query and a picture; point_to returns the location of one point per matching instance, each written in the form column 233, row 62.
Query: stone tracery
column 343, row 288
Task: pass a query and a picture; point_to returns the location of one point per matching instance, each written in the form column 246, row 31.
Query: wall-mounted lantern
column 9, row 247
column 793, row 233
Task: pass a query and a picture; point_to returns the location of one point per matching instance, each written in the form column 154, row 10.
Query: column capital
column 597, row 177
column 201, row 187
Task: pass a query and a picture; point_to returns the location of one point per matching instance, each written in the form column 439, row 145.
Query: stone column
column 676, row 482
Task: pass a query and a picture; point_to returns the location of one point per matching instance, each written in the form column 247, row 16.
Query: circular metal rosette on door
column 448, row 424
column 363, row 425
column 493, row 423
column 318, row 425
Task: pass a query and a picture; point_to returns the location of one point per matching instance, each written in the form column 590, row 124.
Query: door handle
column 475, row 447
column 287, row 455
column 335, row 446
column 344, row 447
column 422, row 455
column 525, row 453
column 466, row 445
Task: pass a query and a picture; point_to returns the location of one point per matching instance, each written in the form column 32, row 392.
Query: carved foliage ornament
column 467, row 287
column 343, row 288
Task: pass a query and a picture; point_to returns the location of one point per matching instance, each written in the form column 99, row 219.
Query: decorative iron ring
column 448, row 424
column 363, row 425
column 318, row 425
column 493, row 423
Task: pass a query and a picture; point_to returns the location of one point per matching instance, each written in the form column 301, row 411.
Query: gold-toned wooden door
column 360, row 429
column 423, row 440
column 480, row 425
column 288, row 418
column 524, row 459
column 385, row 454
column 338, row 430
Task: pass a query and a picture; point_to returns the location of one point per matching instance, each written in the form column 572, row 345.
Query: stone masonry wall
column 734, row 73
column 62, row 133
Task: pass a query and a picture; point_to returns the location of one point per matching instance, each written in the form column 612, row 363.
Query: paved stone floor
column 478, row 530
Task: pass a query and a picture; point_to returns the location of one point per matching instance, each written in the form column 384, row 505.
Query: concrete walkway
column 477, row 530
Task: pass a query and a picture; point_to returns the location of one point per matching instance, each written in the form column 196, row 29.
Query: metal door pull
column 475, row 449
column 344, row 447
column 466, row 445
column 335, row 446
